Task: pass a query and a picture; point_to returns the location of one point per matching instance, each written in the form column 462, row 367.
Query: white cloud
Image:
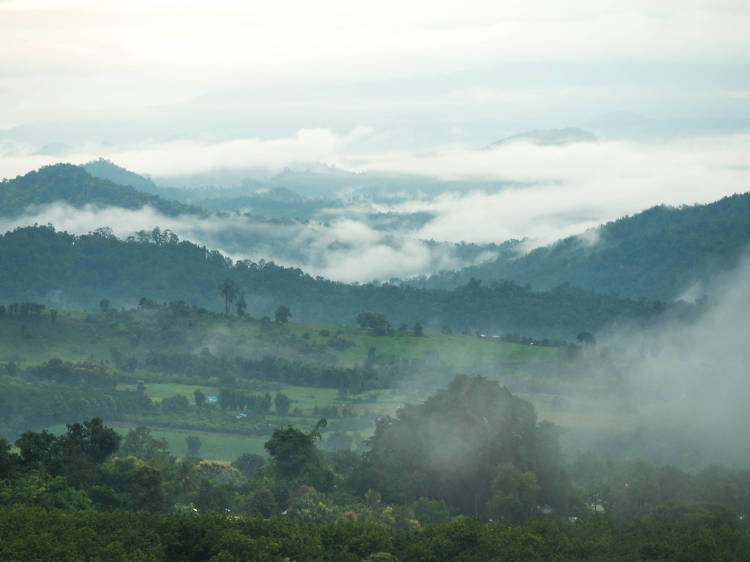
column 64, row 60
column 565, row 190
column 344, row 249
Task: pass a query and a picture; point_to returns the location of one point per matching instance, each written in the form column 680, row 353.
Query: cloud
column 78, row 59
column 569, row 189
column 542, row 193
column 343, row 249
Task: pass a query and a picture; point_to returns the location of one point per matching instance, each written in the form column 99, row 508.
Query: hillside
column 656, row 254
column 58, row 269
column 75, row 186
column 106, row 170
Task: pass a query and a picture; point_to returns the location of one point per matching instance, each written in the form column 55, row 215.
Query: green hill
column 106, row 170
column 74, row 185
column 656, row 254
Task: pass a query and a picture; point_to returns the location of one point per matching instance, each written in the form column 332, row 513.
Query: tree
column 248, row 464
column 282, row 403
column 9, row 461
column 199, row 398
column 104, row 305
column 283, row 314
column 514, row 495
column 418, row 330
column 297, row 461
column 376, row 322
column 176, row 404
column 36, row 448
column 94, row 439
column 241, row 304
column 140, row 443
column 586, row 338
column 193, row 446
column 228, row 291
column 263, row 503
column 450, row 446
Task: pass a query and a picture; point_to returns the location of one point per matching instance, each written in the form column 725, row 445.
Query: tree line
column 75, row 268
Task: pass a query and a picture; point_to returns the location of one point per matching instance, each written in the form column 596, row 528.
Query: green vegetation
column 695, row 533
column 42, row 265
column 75, row 186
column 260, row 413
column 656, row 254
column 159, row 366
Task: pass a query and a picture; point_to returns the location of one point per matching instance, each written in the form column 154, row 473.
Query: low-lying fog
column 673, row 393
column 524, row 191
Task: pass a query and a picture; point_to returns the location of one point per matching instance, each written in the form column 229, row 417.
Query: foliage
column 74, row 185
column 452, row 447
column 45, row 262
column 282, row 314
column 655, row 254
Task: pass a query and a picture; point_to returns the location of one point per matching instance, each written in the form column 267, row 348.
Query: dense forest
column 657, row 254
column 482, row 456
column 58, row 269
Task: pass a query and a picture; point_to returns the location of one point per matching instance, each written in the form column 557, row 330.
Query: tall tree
column 283, row 314
column 241, row 304
column 228, row 291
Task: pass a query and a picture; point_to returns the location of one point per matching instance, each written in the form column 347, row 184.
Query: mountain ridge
column 74, row 185
column 658, row 253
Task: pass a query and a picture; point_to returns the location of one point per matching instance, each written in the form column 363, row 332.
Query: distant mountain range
column 548, row 137
column 658, row 253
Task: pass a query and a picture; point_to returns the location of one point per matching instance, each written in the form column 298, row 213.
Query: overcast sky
column 174, row 88
column 270, row 68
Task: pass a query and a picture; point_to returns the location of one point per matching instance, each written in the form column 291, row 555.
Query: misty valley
column 237, row 409
column 377, row 281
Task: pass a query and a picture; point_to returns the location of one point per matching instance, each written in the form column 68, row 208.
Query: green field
column 463, row 351
column 148, row 336
column 214, row 446
column 78, row 336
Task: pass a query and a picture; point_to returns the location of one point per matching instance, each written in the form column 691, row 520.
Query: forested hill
column 57, row 269
column 106, row 170
column 75, row 186
column 656, row 254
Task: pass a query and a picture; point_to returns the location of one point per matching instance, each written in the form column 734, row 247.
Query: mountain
column 106, row 170
column 57, row 269
column 548, row 137
column 657, row 254
column 75, row 186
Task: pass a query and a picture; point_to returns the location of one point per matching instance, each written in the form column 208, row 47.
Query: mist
column 673, row 393
column 342, row 249
column 518, row 191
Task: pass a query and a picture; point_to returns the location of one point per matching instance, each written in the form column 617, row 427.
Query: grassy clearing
column 159, row 391
column 77, row 336
column 306, row 398
column 463, row 351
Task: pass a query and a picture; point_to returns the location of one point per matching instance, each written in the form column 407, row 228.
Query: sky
column 384, row 64
column 170, row 89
